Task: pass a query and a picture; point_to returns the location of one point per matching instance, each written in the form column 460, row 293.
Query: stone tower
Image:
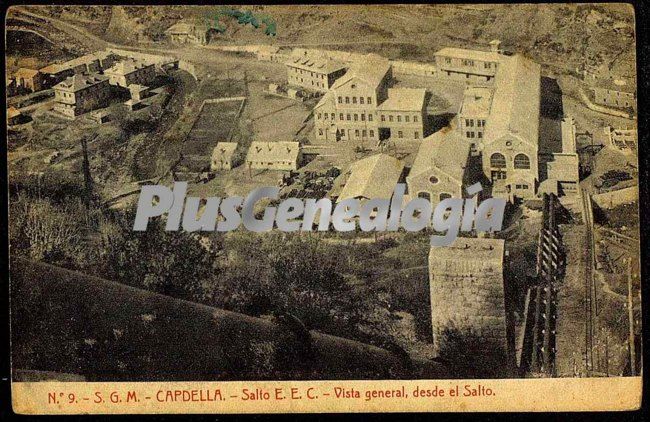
column 468, row 309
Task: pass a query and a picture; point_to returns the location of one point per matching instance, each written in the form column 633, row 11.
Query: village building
column 348, row 112
column 86, row 64
column 188, row 32
column 130, row 71
column 401, row 115
column 282, row 155
column 28, row 79
column 469, row 65
column 373, row 177
column 223, row 156
column 563, row 171
column 361, row 107
column 473, row 115
column 469, row 314
column 622, row 140
column 269, row 53
column 509, row 150
column 440, row 169
column 314, row 73
column 615, row 93
column 80, row 94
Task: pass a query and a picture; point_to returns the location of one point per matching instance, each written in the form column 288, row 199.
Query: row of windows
column 472, row 134
column 498, row 160
column 400, row 134
column 317, row 84
column 363, row 133
column 468, row 62
column 362, row 100
column 348, row 116
column 312, row 74
column 470, row 123
column 407, row 118
column 427, row 196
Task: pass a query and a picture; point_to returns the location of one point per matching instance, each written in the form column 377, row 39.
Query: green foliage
column 171, row 263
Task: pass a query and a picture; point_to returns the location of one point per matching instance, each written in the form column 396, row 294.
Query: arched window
column 522, row 161
column 498, row 160
column 433, row 180
column 444, row 196
column 424, row 195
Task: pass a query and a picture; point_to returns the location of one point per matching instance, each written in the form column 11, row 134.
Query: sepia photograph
column 374, row 194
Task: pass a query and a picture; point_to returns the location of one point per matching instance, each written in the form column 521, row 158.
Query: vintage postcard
column 350, row 208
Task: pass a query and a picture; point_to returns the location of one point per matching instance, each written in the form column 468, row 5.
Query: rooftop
column 26, row 73
column 462, row 53
column 273, row 151
column 373, row 177
column 404, row 99
column 328, row 98
column 126, row 67
column 224, row 149
column 371, row 71
column 476, row 101
column 70, row 64
column 12, row 112
column 516, row 101
column 469, row 248
column 315, row 64
column 78, row 82
column 185, row 27
column 445, row 150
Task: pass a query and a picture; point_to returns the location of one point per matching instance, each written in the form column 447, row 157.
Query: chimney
column 495, row 46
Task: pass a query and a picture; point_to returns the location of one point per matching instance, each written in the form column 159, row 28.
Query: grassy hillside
column 556, row 34
column 63, row 321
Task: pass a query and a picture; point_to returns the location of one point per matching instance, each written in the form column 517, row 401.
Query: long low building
column 373, row 177
column 469, row 65
column 282, row 155
column 313, row 73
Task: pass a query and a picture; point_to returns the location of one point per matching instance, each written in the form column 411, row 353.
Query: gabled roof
column 78, row 82
column 404, row 99
column 224, row 149
column 327, row 99
column 476, row 101
column 12, row 112
column 446, row 151
column 180, row 28
column 314, row 64
column 273, row 151
column 462, row 53
column 373, row 177
column 516, row 101
column 26, row 73
column 54, row 68
column 371, row 71
column 126, row 67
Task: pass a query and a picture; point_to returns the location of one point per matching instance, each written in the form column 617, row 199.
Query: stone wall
column 468, row 312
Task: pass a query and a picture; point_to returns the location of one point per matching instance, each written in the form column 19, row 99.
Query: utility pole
column 88, row 181
column 630, row 313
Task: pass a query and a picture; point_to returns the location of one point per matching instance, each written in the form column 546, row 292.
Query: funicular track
column 539, row 341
